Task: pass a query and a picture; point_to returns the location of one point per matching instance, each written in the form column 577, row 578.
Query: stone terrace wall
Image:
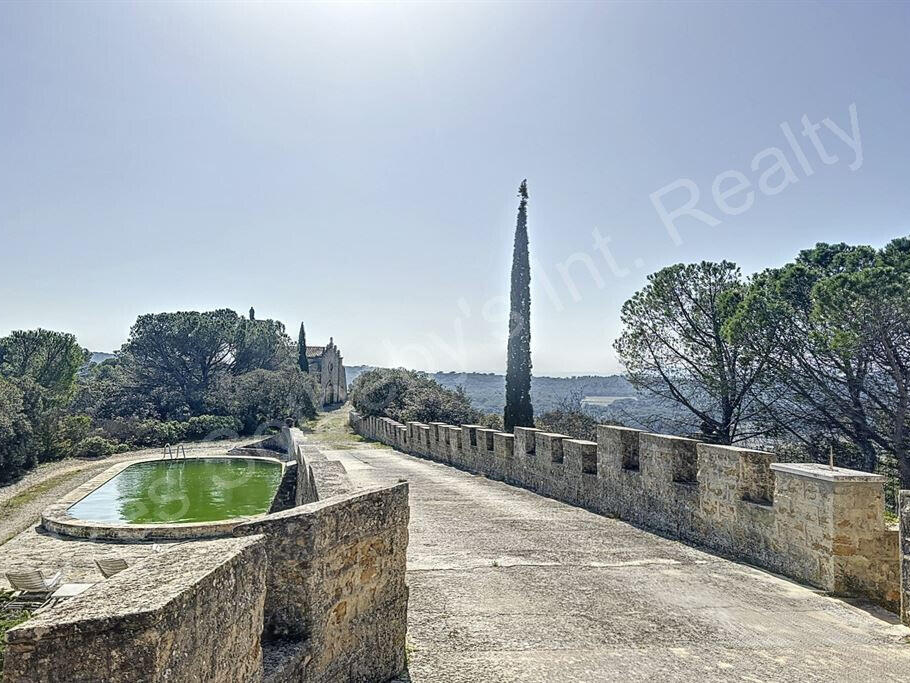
column 818, row 525
column 193, row 614
column 337, row 585
column 336, row 599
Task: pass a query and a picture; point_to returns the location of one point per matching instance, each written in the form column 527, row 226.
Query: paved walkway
column 510, row 586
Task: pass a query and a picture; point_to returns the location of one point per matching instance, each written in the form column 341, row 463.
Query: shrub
column 574, row 423
column 94, row 447
column 405, row 395
column 265, row 396
column 212, row 427
column 15, row 431
column 143, row 433
column 70, row 430
column 492, row 421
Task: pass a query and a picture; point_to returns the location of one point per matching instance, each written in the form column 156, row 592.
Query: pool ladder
column 174, row 454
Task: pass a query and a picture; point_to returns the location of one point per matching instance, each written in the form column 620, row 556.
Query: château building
column 327, row 367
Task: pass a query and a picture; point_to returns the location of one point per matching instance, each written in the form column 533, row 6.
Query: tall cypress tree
column 302, row 360
column 252, row 313
column 518, row 411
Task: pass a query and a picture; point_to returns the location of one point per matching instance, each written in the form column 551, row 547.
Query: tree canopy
column 186, row 352
column 51, row 359
column 518, row 409
column 673, row 346
column 838, row 319
column 406, row 395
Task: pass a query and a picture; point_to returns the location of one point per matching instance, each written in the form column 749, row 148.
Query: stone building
column 327, row 367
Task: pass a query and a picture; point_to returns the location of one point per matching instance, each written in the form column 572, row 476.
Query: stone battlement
column 818, row 525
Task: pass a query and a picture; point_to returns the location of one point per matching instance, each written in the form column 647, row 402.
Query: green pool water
column 192, row 490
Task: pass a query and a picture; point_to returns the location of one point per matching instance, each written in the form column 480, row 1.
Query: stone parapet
column 193, row 614
column 816, row 524
column 336, row 584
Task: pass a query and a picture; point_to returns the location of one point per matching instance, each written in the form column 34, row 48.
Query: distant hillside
column 487, row 391
column 99, row 356
column 609, row 398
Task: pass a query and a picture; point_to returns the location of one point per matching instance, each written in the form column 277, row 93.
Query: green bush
column 15, row 432
column 144, row 433
column 212, row 427
column 405, row 395
column 94, row 447
column 265, row 396
column 70, row 430
column 574, row 423
column 491, row 421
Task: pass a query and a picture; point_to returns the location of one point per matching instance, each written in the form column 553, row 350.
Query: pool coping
column 56, row 517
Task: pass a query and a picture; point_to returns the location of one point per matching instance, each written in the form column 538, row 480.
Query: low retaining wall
column 336, row 598
column 194, row 614
column 819, row 525
column 337, row 585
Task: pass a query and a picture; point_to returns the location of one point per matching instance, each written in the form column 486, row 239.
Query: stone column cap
column 825, row 473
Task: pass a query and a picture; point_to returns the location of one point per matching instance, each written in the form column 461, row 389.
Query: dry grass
column 25, row 497
column 331, row 429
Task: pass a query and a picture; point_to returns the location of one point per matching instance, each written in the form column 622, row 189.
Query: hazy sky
column 356, row 166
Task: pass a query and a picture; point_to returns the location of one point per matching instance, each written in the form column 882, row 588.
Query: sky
column 356, row 165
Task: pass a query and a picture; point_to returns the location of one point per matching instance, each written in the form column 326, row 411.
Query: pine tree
column 518, row 411
column 252, row 313
column 302, row 360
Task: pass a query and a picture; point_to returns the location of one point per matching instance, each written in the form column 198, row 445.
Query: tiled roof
column 313, row 351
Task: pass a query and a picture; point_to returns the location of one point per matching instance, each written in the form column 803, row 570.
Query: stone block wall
column 193, row 614
column 904, row 511
column 336, row 599
column 821, row 526
column 337, row 585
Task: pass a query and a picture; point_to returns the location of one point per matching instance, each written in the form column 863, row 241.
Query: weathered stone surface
column 816, row 524
column 337, row 581
column 285, row 496
column 193, row 613
column 904, row 550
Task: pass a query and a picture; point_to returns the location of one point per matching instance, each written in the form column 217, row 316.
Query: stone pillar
column 830, row 523
column 905, row 556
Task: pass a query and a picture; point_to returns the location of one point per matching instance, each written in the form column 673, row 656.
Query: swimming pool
column 194, row 490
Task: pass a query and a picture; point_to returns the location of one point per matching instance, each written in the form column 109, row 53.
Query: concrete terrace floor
column 506, row 585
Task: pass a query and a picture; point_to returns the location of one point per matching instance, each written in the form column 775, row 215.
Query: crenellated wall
column 819, row 525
